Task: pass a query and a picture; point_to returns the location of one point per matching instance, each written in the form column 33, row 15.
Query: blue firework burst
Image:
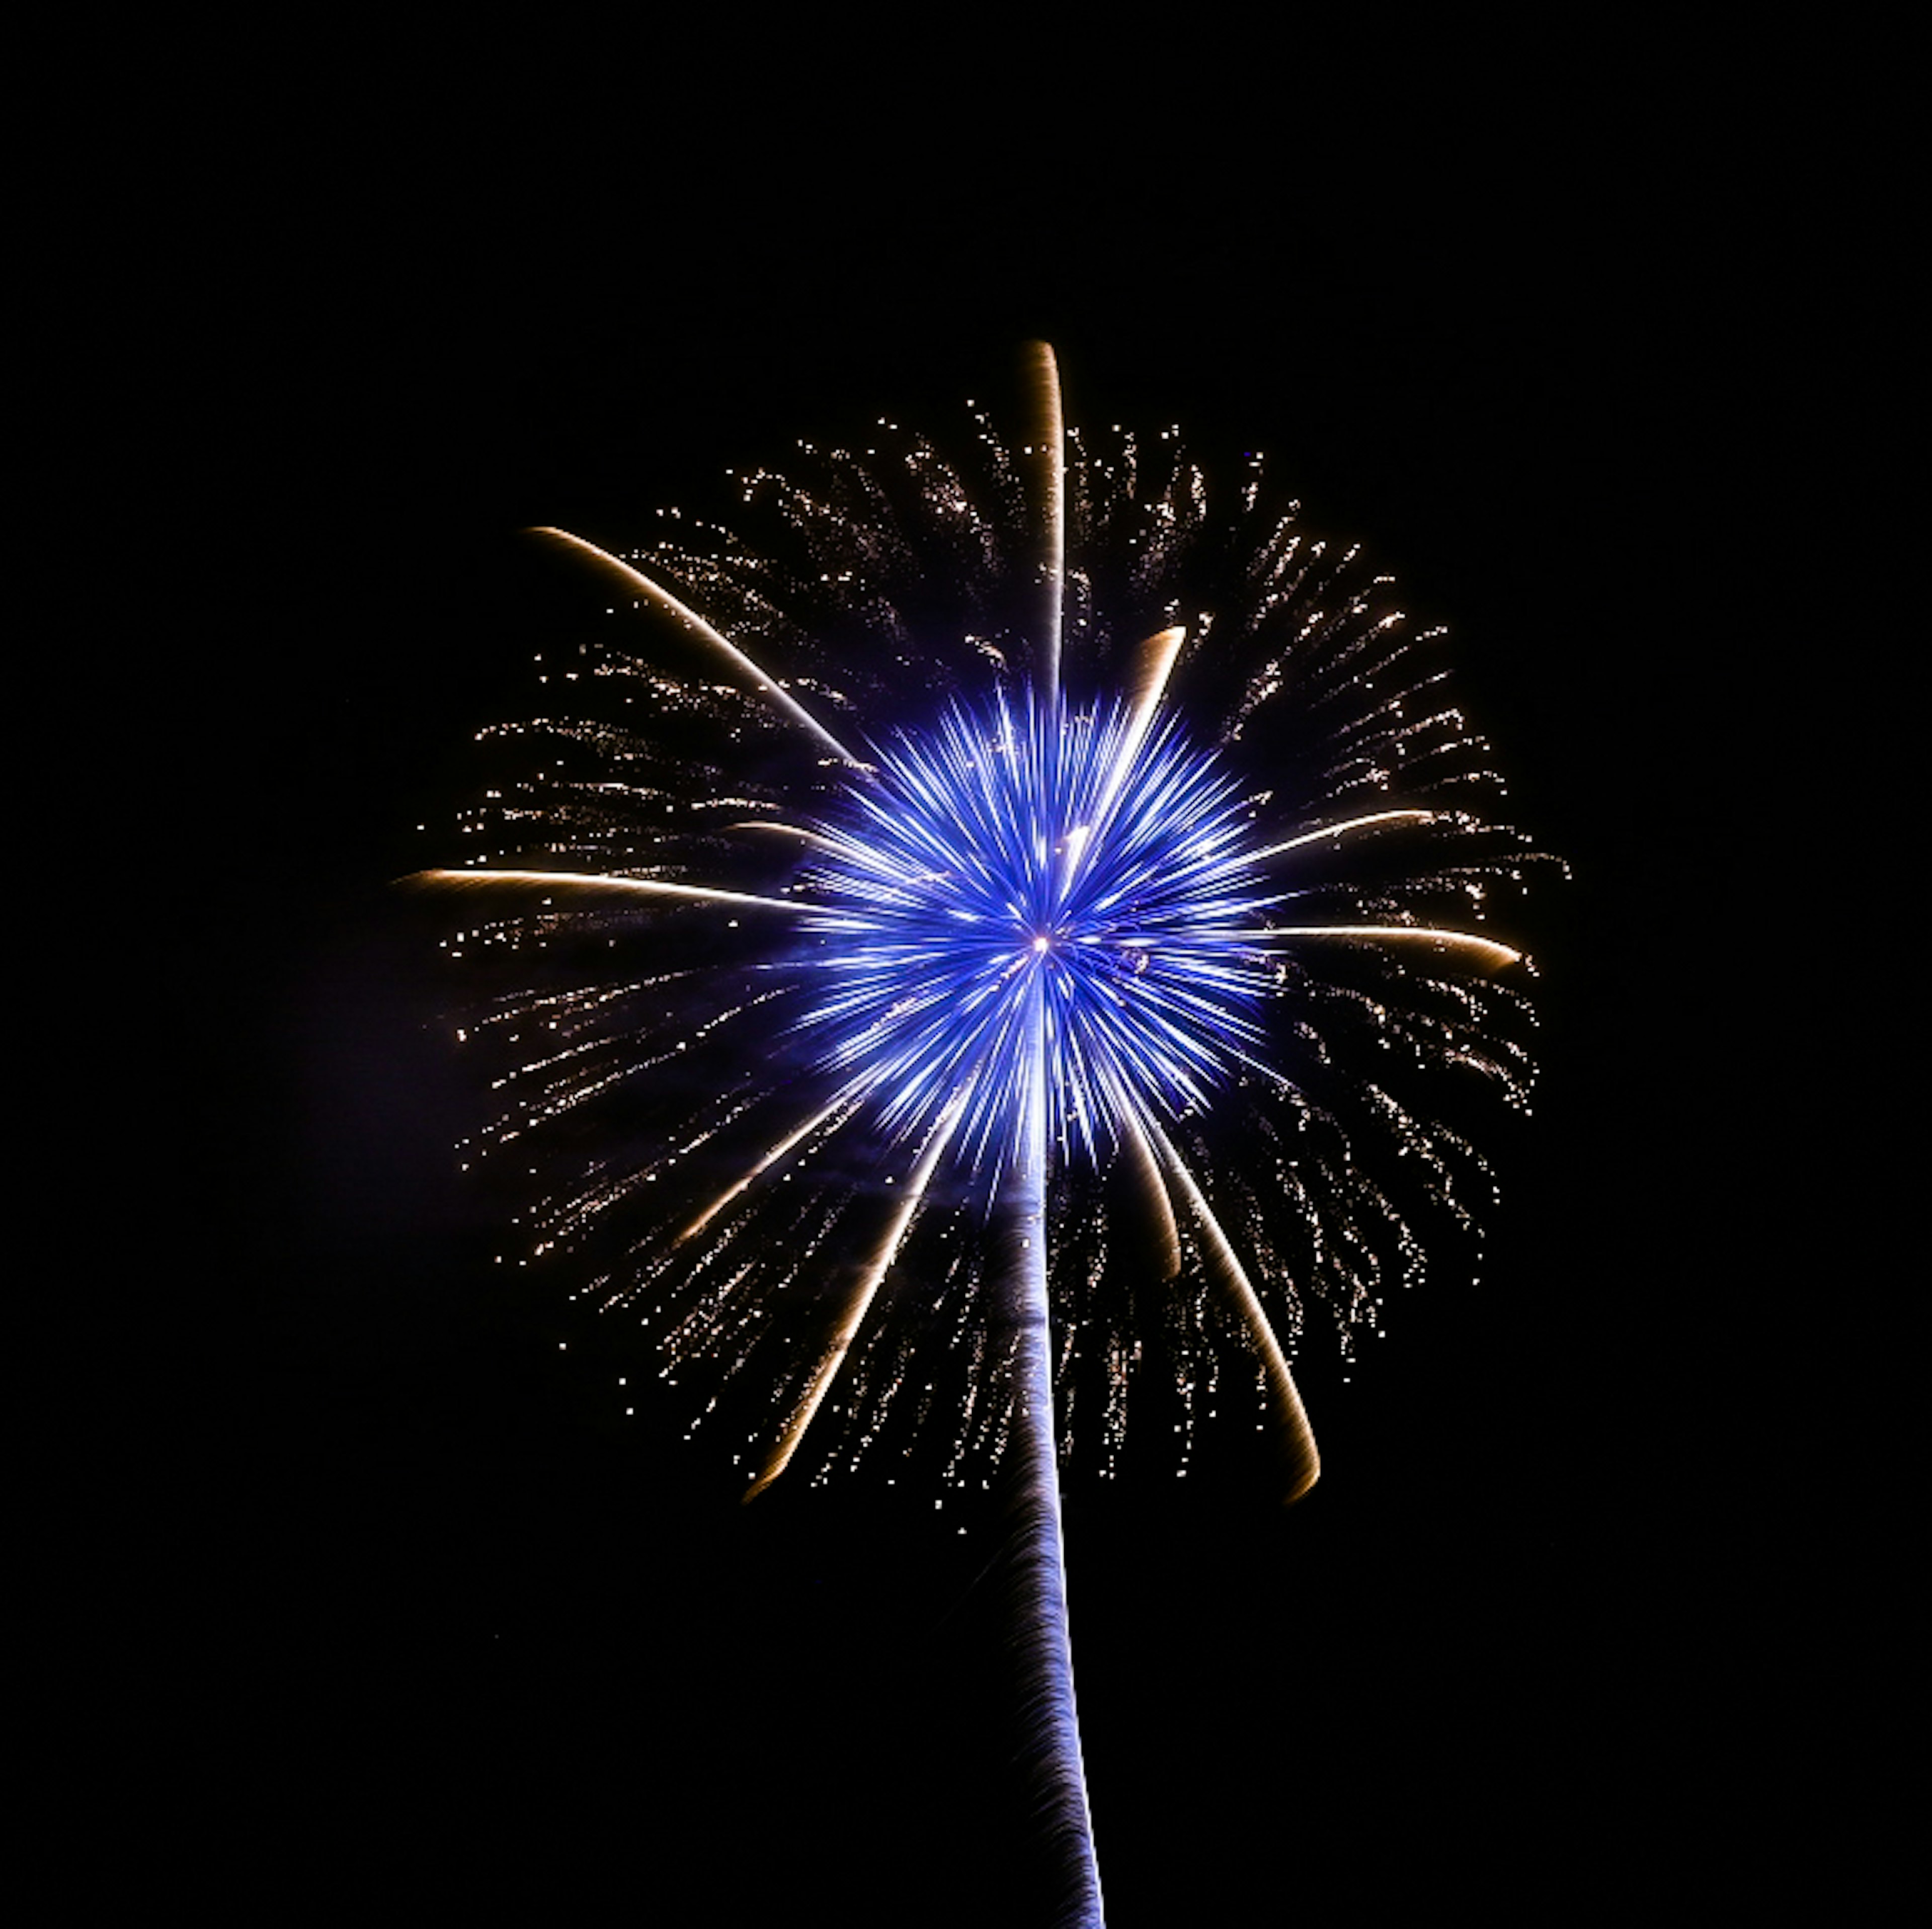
column 1019, row 853
column 1034, row 770
column 800, row 1024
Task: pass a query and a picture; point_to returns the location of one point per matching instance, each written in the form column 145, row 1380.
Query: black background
column 415, row 1622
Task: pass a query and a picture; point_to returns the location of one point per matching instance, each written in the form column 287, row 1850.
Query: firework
column 919, row 891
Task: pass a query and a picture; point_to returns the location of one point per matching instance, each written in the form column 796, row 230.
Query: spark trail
column 1000, row 838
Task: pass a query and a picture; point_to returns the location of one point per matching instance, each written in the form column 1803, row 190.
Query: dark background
column 424, row 1627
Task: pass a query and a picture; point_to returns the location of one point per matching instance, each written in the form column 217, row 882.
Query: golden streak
column 1486, row 950
column 587, row 884
column 798, row 831
column 689, row 617
column 862, row 1294
column 1147, row 1169
column 1153, row 662
column 1297, row 1435
column 848, row 1099
column 1051, row 437
column 1342, row 830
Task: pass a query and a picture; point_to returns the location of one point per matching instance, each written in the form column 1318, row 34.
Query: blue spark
column 1024, row 846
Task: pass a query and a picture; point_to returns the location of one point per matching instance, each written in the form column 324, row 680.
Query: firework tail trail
column 1051, row 1732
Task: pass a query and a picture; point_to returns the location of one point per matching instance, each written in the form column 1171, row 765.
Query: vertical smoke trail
column 1051, row 1727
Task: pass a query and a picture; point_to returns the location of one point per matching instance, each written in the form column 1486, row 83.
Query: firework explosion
column 989, row 931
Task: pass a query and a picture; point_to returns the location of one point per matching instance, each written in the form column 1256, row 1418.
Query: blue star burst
column 1024, row 848
column 1030, row 820
column 977, row 992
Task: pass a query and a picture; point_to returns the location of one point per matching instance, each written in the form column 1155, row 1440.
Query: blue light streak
column 1021, row 845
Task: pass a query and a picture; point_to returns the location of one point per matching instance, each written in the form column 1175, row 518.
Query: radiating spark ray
column 1148, row 1171
column 1486, row 950
column 860, row 1299
column 846, row 1101
column 1343, row 830
column 583, row 884
column 1051, row 433
column 817, row 839
column 768, row 685
column 1153, row 662
column 1297, row 1435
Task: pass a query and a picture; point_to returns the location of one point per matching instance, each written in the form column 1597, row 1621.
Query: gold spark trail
column 1343, row 830
column 1486, row 950
column 846, row 1103
column 767, row 685
column 1153, row 663
column 1297, row 1435
column 1050, row 449
column 1147, row 1169
column 579, row 884
column 861, row 1298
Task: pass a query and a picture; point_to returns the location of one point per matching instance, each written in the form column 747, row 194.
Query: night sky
column 439, row 1634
